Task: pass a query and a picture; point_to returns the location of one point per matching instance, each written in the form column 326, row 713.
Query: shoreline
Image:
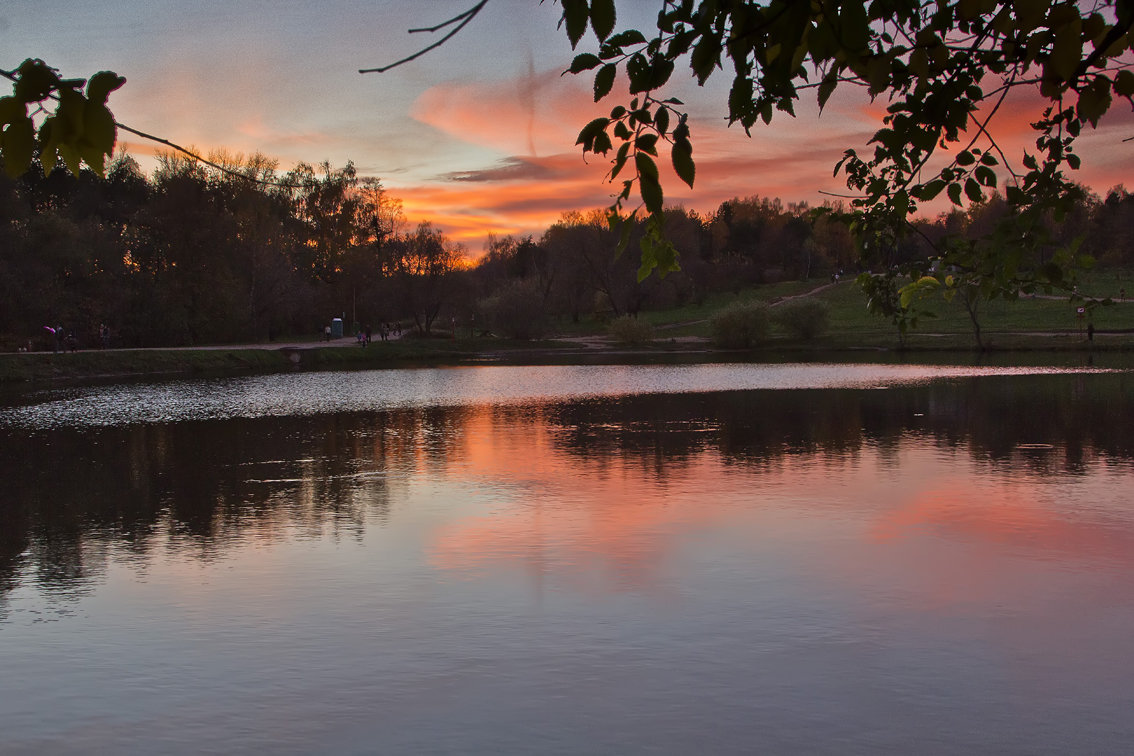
column 19, row 370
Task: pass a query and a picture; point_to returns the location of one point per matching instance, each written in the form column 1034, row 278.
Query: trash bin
column 336, row 328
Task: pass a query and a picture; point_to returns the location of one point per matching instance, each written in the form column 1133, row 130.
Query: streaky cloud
column 507, row 169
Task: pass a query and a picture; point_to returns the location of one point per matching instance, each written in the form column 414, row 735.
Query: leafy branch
column 81, row 130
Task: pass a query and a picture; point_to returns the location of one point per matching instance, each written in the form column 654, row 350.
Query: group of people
column 385, row 331
column 63, row 340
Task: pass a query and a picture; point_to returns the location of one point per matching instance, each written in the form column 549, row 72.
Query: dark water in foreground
column 833, row 559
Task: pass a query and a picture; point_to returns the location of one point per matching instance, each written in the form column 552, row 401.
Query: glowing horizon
column 477, row 137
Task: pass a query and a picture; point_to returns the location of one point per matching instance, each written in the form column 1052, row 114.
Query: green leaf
column 1067, row 49
column 638, row 71
column 604, row 80
column 626, row 227
column 575, row 15
column 972, row 190
column 682, row 156
column 954, row 192
column 11, row 110
column 705, row 57
column 99, row 130
column 647, row 143
column 916, row 290
column 584, row 62
column 854, row 26
column 1124, row 83
column 901, row 203
column 47, row 142
column 620, row 160
column 739, row 97
column 603, row 18
column 93, row 157
column 648, row 183
column 102, row 84
column 646, row 166
column 985, row 175
column 35, row 81
column 931, row 190
column 658, row 253
column 19, row 146
column 1030, row 13
column 627, row 38
column 1094, row 101
column 826, row 88
column 590, row 131
column 71, row 158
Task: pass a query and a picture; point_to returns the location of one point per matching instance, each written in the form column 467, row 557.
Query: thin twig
column 464, row 19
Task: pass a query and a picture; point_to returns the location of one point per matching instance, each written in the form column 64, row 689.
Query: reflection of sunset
column 558, row 512
column 1004, row 513
column 562, row 514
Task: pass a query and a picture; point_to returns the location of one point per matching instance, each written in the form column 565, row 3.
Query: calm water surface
column 691, row 559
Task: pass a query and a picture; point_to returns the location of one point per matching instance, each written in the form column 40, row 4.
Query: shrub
column 740, row 325
column 631, row 331
column 803, row 318
column 517, row 311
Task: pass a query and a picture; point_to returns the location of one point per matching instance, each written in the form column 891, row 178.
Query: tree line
column 193, row 255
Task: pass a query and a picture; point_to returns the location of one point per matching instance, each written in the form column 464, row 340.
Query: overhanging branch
column 461, row 20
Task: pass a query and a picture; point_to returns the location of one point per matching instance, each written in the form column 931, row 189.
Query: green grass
column 1026, row 324
column 126, row 363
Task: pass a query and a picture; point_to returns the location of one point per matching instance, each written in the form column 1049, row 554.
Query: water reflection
column 204, row 486
column 840, row 569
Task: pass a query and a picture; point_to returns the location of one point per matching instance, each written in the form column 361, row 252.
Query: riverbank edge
column 94, row 366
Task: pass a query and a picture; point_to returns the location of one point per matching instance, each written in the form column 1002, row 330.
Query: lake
column 572, row 559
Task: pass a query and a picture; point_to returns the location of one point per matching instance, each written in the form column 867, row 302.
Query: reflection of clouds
column 567, row 515
column 611, row 491
column 945, row 527
column 954, row 534
column 1082, row 518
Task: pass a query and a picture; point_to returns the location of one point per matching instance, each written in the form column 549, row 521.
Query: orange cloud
column 530, row 115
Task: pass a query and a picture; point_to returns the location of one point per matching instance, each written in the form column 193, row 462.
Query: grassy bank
column 129, row 363
column 1039, row 325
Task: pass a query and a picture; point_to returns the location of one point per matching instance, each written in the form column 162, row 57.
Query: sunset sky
column 477, row 136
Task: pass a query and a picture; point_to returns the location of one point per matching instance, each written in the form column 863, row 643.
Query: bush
column 517, row 311
column 740, row 325
column 803, row 318
column 631, row 331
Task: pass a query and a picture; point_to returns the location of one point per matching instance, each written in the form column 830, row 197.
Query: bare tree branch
column 462, row 18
